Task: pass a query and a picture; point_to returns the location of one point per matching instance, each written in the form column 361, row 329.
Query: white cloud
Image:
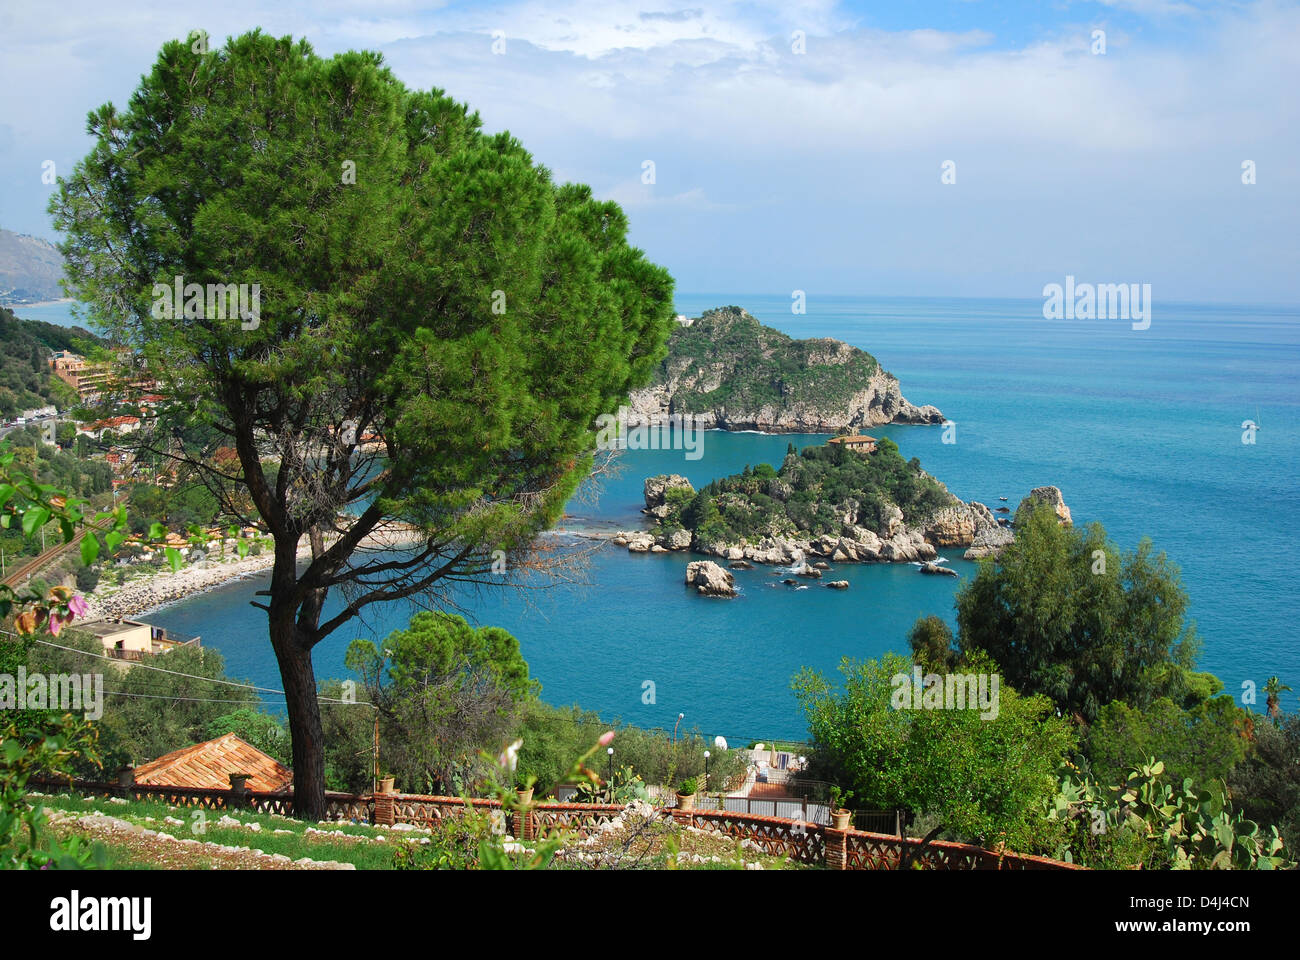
column 635, row 195
column 830, row 146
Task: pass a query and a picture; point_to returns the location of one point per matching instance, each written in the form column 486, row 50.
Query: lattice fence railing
column 802, row 841
column 582, row 819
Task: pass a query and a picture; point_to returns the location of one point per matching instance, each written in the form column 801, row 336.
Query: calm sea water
column 1141, row 430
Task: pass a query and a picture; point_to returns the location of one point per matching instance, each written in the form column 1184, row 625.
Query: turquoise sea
column 1141, row 430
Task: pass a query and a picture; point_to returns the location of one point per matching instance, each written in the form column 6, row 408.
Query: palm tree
column 1273, row 687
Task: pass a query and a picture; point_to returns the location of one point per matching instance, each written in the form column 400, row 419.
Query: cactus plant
column 1195, row 828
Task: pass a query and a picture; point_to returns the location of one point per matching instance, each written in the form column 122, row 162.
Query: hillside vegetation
column 815, row 493
column 25, row 377
column 730, row 371
column 764, row 365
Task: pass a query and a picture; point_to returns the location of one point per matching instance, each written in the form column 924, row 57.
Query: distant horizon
column 984, row 297
column 723, row 301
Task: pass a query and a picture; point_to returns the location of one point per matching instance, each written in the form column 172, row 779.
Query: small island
column 836, row 502
column 729, row 372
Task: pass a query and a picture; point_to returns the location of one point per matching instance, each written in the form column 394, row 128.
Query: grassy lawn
column 243, row 840
column 363, row 846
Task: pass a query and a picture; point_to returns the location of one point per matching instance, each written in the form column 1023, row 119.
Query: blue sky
column 821, row 170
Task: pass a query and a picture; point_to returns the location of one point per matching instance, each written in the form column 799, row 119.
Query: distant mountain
column 30, row 269
column 731, row 372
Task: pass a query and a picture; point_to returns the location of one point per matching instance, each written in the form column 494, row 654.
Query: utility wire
column 157, row 696
column 161, row 696
column 176, row 673
column 146, row 666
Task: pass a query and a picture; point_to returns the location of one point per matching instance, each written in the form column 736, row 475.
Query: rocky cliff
column 731, row 372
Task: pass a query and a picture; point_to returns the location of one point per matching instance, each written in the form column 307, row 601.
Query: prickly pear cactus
column 1195, row 827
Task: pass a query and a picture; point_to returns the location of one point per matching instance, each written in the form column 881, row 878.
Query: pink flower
column 78, row 607
column 606, row 737
column 57, row 622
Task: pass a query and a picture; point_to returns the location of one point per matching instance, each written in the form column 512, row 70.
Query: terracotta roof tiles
column 211, row 763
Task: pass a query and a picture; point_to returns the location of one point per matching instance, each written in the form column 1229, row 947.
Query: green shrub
column 821, row 481
column 87, row 578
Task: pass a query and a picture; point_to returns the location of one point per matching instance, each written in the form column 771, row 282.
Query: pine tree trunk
column 304, row 721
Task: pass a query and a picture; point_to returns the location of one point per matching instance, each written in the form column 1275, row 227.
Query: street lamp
column 675, row 726
column 609, row 751
column 706, row 770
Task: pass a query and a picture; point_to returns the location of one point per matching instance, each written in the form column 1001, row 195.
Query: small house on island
column 860, row 443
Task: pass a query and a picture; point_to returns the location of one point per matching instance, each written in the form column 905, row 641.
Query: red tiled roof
column 211, row 763
column 113, row 422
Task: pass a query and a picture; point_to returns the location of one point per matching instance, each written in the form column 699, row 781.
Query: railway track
column 30, row 567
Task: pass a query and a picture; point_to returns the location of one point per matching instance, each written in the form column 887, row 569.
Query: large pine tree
column 439, row 323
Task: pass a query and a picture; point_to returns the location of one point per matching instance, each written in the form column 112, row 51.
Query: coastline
column 44, row 303
column 147, row 594
column 40, row 303
column 144, row 595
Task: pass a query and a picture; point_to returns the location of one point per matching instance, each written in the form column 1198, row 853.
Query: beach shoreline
column 145, row 595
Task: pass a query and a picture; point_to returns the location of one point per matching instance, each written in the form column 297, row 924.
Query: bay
column 1141, row 430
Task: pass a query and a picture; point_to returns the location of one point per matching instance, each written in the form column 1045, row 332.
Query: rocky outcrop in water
column 1050, row 496
column 656, row 489
column 989, row 542
column 709, row 579
column 972, row 525
column 991, row 539
column 825, row 504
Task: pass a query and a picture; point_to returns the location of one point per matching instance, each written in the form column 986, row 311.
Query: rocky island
column 730, row 372
column 826, row 502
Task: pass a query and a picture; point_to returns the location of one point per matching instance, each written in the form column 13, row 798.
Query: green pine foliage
column 421, row 281
column 1066, row 614
column 444, row 691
